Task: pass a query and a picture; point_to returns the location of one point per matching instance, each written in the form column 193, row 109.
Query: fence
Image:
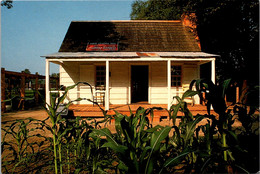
column 20, row 85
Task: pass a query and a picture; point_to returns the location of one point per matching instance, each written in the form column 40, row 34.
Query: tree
column 228, row 28
column 7, row 3
column 55, row 75
column 156, row 10
column 27, row 71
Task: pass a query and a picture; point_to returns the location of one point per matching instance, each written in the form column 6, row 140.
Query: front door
column 139, row 83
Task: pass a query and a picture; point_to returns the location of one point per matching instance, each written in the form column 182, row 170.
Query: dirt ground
column 36, row 113
column 40, row 114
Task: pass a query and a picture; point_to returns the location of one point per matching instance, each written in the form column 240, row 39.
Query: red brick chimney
column 189, row 20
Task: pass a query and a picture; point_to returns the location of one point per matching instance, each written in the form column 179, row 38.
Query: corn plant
column 100, row 159
column 56, row 123
column 18, row 138
column 82, row 150
column 138, row 146
column 215, row 98
column 248, row 134
column 183, row 135
column 246, row 111
column 200, row 152
column 181, row 106
column 76, row 141
column 136, row 143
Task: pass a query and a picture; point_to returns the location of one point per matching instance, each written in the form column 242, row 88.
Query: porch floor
column 88, row 110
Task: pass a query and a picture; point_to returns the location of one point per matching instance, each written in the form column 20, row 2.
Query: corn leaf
column 225, row 86
column 116, row 147
column 155, row 142
column 189, row 93
column 174, row 111
column 191, row 127
column 175, row 160
column 111, row 141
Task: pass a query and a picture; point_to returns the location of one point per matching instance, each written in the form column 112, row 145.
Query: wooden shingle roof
column 131, row 36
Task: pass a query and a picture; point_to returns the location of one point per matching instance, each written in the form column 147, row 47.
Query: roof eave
column 93, row 55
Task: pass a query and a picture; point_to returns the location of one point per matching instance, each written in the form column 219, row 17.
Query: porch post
column 107, row 86
column 213, row 74
column 47, row 81
column 169, row 82
column 213, row 71
column 3, row 109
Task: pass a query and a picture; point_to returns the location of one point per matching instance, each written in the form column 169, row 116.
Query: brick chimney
column 189, row 20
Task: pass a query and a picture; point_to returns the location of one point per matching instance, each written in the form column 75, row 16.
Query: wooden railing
column 22, row 76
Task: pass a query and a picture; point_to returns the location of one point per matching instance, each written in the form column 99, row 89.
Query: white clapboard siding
column 119, row 82
column 69, row 75
column 158, row 84
column 191, row 73
column 87, row 74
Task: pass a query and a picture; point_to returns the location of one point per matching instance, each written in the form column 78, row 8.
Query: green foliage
column 136, row 143
column 57, row 75
column 57, row 128
column 182, row 105
column 27, row 71
column 17, row 140
column 229, row 28
column 182, row 148
column 156, row 10
column 7, row 3
column 80, row 145
column 226, row 155
column 215, row 97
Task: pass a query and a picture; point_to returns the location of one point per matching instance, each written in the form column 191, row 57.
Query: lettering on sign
column 102, row 47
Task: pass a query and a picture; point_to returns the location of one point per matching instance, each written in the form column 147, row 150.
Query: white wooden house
column 136, row 61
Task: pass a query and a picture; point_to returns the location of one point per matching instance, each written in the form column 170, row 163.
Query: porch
column 155, row 79
column 87, row 110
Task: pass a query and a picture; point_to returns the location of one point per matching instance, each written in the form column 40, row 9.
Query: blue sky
column 35, row 28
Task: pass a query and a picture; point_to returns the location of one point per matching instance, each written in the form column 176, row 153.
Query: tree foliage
column 156, row 10
column 27, row 71
column 55, row 75
column 229, row 28
column 7, row 3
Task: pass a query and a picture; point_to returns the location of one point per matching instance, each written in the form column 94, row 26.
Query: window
column 176, row 73
column 100, row 75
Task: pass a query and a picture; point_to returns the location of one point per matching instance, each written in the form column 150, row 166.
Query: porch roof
column 127, row 55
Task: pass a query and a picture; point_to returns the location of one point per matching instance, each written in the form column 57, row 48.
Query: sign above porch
column 102, row 47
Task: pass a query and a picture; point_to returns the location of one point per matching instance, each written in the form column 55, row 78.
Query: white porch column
column 169, row 82
column 213, row 71
column 47, row 82
column 107, row 86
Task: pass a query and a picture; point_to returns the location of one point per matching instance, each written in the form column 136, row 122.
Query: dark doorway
column 205, row 71
column 139, row 83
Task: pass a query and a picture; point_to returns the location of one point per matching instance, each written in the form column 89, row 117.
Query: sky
column 31, row 29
